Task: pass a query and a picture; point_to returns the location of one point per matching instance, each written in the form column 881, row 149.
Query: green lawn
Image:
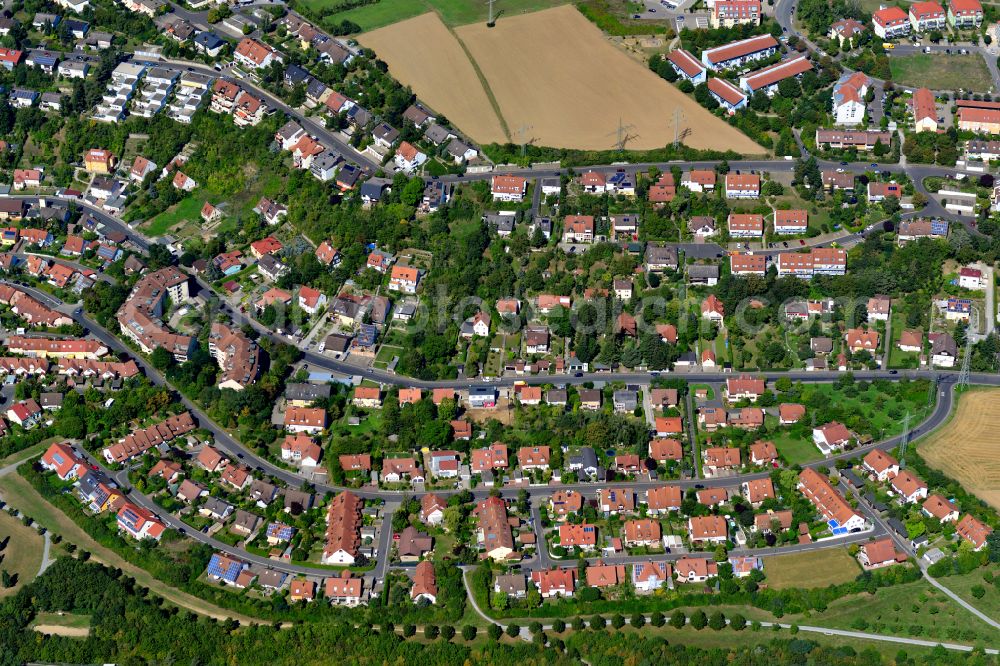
column 817, row 568
column 22, row 554
column 962, row 586
column 793, row 450
column 912, row 609
column 189, row 209
column 452, row 12
column 62, row 624
column 873, row 407
column 941, row 72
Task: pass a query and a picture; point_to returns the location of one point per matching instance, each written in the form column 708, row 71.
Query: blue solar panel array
column 224, row 568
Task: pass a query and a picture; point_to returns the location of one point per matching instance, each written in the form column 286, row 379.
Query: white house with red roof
column 686, row 66
column 61, row 459
column 254, row 54
column 311, row 300
column 965, row 13
column 408, row 158
column 25, row 413
column 727, row 95
column 831, row 437
column 508, row 188
column 928, row 15
column 849, row 99
column 139, row 523
column 890, row 22
column 880, row 464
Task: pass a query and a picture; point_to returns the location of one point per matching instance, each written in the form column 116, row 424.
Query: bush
column 698, row 620
column 539, row 638
column 597, row 622
column 678, row 619
column 535, row 627
column 717, row 621
column 409, row 630
column 513, row 630
column 447, row 632
column 638, row 620
column 494, row 632
column 469, row 632
column 978, row 591
column 431, row 632
column 558, row 626
column 738, row 622
column 578, row 624
column 657, row 619
column 617, row 621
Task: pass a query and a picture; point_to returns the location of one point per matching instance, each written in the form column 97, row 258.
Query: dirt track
column 967, row 449
column 424, row 55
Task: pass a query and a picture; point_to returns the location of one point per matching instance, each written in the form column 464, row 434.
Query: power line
column 904, row 440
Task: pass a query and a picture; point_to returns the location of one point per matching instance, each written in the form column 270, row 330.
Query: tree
column 617, row 621
column 657, row 619
column 638, row 620
column 431, row 631
column 513, row 630
column 448, row 632
column 738, row 622
column 678, row 619
column 578, row 623
column 558, row 626
column 698, row 620
column 993, row 546
column 597, row 622
column 717, row 621
column 162, row 359
column 409, row 630
column 535, row 627
column 494, row 632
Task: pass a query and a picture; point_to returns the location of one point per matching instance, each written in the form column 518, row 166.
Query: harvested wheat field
column 554, row 71
column 968, row 449
column 424, row 55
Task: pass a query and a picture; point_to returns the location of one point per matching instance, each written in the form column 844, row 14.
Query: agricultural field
column 541, row 69
column 817, row 568
column 22, row 554
column 939, row 72
column 536, row 71
column 423, row 54
column 967, row 448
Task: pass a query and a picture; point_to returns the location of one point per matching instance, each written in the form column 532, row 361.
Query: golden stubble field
column 423, row 55
column 968, row 448
column 552, row 72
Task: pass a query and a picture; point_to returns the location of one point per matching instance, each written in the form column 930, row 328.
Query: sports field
column 424, row 55
column 552, row 77
column 967, row 449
